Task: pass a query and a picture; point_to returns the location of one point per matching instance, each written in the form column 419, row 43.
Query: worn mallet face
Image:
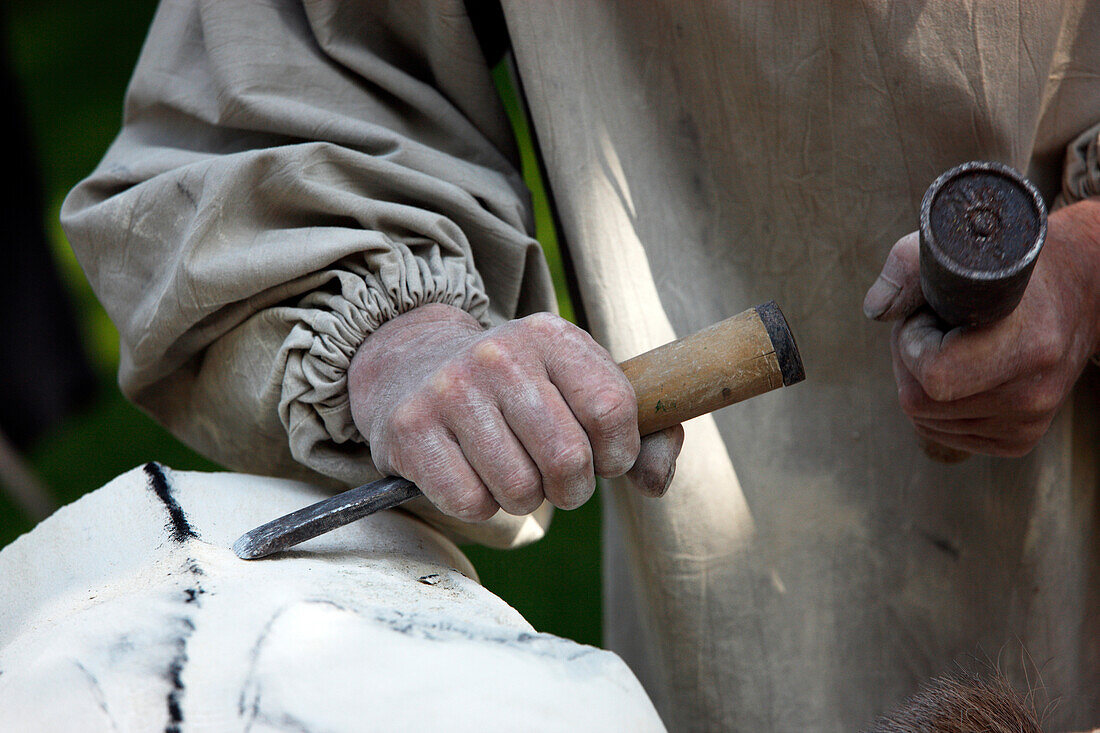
column 982, row 226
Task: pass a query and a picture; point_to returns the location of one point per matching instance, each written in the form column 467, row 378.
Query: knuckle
column 408, row 419
column 451, row 383
column 543, row 324
column 1048, row 348
column 521, row 505
column 616, row 461
column 525, row 507
column 569, row 461
column 490, row 352
column 610, row 420
column 613, row 408
column 903, row 256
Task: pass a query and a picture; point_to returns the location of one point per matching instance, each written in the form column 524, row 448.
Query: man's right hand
column 479, row 419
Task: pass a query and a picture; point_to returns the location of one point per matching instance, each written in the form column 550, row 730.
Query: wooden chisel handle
column 738, row 358
column 743, row 356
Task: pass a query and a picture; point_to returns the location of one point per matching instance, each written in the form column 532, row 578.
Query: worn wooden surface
column 725, row 363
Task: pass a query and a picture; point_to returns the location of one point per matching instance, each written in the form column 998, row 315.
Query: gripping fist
column 479, row 419
column 996, row 389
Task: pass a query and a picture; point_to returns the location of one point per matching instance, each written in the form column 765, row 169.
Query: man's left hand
column 996, row 389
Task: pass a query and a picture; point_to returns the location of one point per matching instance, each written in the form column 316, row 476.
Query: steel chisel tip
column 324, row 516
column 249, row 546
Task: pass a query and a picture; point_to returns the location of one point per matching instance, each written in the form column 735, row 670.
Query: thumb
column 896, row 293
column 653, row 470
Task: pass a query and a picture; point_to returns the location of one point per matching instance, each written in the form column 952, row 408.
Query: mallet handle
column 982, row 226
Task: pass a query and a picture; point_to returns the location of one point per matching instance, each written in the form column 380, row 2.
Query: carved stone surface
column 128, row 610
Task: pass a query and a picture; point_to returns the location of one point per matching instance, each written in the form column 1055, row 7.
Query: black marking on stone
column 178, row 526
column 442, row 629
column 122, row 647
column 786, row 350
column 97, row 692
column 190, row 596
column 187, row 194
column 428, row 628
column 175, row 678
column 251, row 687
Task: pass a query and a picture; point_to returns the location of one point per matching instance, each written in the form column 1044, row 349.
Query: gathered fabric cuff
column 1081, row 173
column 288, row 178
column 334, row 321
column 330, row 324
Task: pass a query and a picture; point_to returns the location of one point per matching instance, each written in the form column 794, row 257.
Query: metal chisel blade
column 324, row 516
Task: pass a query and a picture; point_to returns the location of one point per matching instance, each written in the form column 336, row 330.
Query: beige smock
column 290, row 175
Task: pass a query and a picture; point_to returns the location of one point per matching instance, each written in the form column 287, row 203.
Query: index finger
column 956, row 363
column 600, row 397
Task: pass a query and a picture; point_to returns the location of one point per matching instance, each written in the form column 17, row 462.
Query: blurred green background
column 72, row 60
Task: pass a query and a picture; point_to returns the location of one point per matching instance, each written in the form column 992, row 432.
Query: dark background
column 71, row 61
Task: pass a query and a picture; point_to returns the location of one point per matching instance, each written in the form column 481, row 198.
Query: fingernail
column 879, row 298
column 668, row 481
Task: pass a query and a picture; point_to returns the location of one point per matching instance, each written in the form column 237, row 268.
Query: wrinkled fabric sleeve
column 1081, row 172
column 289, row 176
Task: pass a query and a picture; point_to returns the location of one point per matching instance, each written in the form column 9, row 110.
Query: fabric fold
column 286, row 180
column 1081, row 173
